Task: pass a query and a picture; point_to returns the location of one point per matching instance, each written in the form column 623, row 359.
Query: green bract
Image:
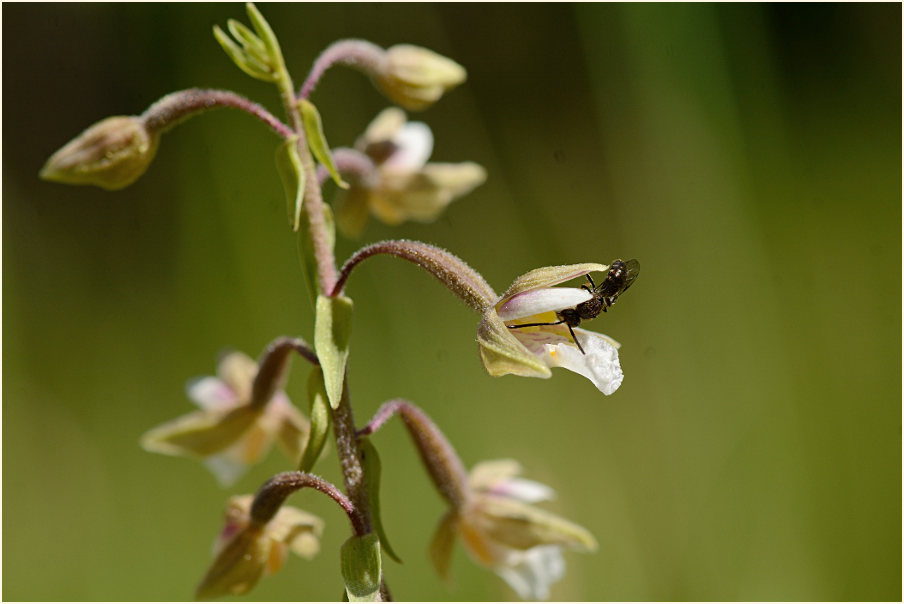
column 320, row 420
column 332, row 330
column 361, row 568
column 291, row 172
column 373, row 470
column 313, row 129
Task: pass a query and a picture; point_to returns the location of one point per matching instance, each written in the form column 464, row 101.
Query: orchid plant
column 244, row 409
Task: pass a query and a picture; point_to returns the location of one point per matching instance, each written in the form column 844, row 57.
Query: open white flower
column 403, row 185
column 532, row 351
column 229, row 432
column 501, row 531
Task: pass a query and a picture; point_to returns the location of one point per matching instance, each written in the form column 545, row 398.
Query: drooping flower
column 246, row 550
column 111, row 154
column 403, row 186
column 232, row 430
column 416, row 77
column 501, row 531
column 532, row 351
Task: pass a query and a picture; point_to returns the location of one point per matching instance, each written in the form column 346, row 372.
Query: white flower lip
column 599, row 363
column 536, row 301
column 414, row 143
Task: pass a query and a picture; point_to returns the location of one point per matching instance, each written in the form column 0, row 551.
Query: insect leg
column 575, row 338
column 534, row 324
column 592, row 284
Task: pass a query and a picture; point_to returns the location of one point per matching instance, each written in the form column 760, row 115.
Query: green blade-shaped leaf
column 320, row 420
column 332, row 331
column 361, row 568
column 243, row 61
column 373, row 469
column 266, row 35
column 313, row 129
column 291, row 173
column 251, row 43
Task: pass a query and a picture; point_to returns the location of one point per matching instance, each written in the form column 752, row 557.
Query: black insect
column 619, row 278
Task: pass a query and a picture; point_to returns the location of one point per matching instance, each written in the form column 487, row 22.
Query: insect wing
column 633, row 269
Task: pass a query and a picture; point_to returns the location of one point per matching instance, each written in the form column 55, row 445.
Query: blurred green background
column 748, row 155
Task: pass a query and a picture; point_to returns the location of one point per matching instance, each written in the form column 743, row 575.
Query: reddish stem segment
column 270, row 497
column 451, row 270
column 178, row 106
column 360, row 54
column 273, row 367
column 438, row 455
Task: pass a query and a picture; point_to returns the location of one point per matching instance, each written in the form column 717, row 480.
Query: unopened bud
column 415, row 77
column 111, row 154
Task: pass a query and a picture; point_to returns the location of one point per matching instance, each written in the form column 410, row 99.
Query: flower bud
column 111, row 154
column 415, row 77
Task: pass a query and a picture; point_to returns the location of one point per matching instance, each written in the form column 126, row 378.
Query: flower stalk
column 273, row 493
column 439, row 457
column 176, row 107
column 449, row 269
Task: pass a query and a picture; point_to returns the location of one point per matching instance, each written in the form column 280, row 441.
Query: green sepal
column 266, row 35
column 291, row 173
column 250, row 42
column 243, row 60
column 313, row 128
column 332, row 331
column 361, row 568
column 372, row 470
column 320, row 420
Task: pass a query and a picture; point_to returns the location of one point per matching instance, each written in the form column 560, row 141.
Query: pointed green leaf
column 266, row 35
column 251, row 43
column 291, row 172
column 313, row 129
column 361, row 568
column 320, row 420
column 373, row 469
column 332, row 331
column 243, row 61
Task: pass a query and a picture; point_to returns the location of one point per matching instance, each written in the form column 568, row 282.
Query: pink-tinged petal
column 211, row 393
column 527, row 491
column 538, row 301
column 599, row 363
column 487, row 474
column 538, row 340
column 414, row 142
column 531, row 573
column 226, row 468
